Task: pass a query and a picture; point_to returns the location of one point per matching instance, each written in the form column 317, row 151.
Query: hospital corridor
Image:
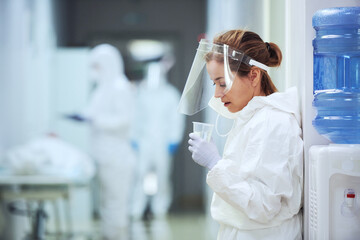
column 179, row 120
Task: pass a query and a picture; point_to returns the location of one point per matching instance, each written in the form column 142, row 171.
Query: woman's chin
column 232, row 109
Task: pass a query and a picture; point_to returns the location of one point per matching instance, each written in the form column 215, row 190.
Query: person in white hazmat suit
column 159, row 131
column 110, row 116
column 258, row 180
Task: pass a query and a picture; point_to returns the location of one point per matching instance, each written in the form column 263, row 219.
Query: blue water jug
column 337, row 74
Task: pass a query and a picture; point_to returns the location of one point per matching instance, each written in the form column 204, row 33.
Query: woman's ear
column 255, row 76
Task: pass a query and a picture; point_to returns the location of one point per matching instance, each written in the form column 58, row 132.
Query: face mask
column 217, row 130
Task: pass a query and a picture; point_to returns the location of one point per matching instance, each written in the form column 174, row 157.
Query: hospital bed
column 36, row 191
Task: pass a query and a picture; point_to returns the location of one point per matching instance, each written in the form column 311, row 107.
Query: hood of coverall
column 156, row 73
column 106, row 64
column 286, row 101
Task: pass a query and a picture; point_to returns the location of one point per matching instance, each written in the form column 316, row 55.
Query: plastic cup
column 204, row 130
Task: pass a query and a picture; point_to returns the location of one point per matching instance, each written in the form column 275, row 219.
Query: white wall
column 27, row 44
column 69, row 94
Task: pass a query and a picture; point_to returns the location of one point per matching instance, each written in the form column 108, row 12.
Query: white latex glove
column 203, row 153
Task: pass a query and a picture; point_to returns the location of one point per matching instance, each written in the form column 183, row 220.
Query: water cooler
column 334, row 184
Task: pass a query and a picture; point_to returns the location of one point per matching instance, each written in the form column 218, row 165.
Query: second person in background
column 158, row 133
column 110, row 116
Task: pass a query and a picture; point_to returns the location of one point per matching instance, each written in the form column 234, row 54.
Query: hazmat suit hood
column 285, row 101
column 107, row 70
column 106, row 64
column 156, row 75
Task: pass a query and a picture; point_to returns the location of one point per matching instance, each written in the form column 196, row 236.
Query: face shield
column 197, row 92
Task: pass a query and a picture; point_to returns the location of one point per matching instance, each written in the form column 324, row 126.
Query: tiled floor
column 177, row 227
column 174, row 227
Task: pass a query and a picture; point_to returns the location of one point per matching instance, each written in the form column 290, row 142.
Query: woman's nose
column 219, row 92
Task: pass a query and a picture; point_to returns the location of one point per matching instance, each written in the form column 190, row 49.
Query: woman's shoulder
column 273, row 114
column 271, row 119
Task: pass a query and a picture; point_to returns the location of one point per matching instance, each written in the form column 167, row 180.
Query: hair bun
column 267, row 46
column 275, row 54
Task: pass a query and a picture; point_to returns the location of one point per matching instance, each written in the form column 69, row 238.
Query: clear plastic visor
column 214, row 66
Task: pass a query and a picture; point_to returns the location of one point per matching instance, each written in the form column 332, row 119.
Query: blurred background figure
column 109, row 114
column 110, row 111
column 158, row 132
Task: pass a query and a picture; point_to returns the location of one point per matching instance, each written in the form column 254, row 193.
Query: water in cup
column 204, row 130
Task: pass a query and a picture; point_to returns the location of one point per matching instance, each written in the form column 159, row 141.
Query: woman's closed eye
column 221, row 85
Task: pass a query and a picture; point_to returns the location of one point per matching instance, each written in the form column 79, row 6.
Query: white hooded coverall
column 259, row 180
column 158, row 126
column 111, row 114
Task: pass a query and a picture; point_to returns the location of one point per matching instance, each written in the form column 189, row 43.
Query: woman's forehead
column 215, row 69
column 215, row 65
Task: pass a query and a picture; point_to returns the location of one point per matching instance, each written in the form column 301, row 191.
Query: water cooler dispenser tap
column 349, row 198
column 348, row 207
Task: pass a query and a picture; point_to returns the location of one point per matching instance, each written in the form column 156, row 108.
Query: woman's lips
column 226, row 104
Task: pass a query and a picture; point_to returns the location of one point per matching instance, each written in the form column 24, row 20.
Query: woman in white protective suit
column 110, row 115
column 258, row 181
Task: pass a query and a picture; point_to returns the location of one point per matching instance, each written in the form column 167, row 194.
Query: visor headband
column 251, row 62
column 234, row 54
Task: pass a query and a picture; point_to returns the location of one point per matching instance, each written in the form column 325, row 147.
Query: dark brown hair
column 253, row 46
